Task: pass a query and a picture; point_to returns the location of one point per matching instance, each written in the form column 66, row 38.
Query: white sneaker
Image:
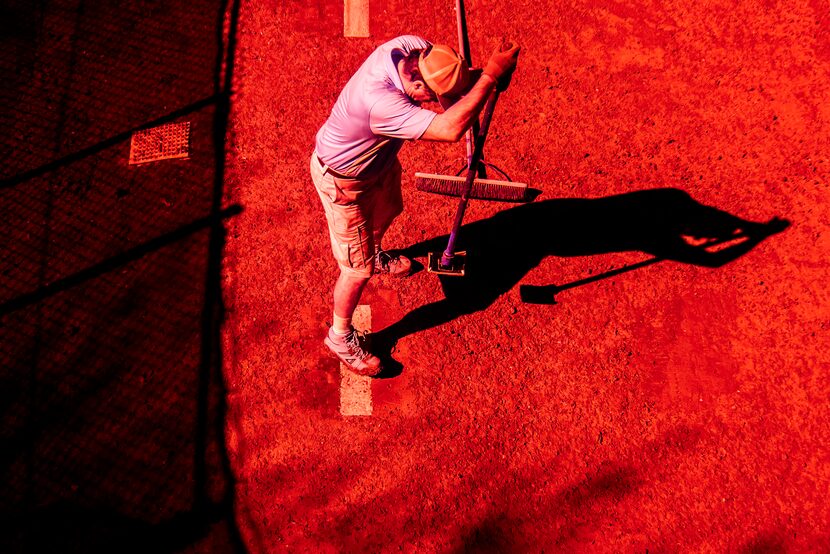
column 352, row 351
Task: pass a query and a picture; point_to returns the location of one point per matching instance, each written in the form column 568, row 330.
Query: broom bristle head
column 483, row 189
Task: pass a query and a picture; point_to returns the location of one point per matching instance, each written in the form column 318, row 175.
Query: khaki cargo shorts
column 357, row 212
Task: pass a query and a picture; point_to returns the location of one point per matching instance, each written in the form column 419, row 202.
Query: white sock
column 341, row 325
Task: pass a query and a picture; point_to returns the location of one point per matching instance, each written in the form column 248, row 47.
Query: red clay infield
column 678, row 405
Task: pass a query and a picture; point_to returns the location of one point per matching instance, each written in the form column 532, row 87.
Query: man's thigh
column 349, row 222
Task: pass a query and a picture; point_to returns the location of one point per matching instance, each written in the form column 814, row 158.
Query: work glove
column 502, row 63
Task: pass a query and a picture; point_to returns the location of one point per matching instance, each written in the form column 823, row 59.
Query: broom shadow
column 666, row 223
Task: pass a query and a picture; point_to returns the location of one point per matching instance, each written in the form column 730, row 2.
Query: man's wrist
column 490, row 79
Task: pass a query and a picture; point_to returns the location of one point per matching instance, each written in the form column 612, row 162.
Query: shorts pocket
column 328, row 188
column 361, row 252
column 357, row 253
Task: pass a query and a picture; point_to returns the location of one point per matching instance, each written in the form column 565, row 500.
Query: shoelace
column 353, row 342
column 384, row 259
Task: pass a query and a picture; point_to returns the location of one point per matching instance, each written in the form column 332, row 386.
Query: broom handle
column 464, row 49
column 449, row 253
column 463, row 41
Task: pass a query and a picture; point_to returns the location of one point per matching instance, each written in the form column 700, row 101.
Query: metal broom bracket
column 481, row 170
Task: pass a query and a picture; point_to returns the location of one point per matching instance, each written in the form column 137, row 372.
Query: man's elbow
column 454, row 132
column 449, row 135
column 458, row 133
column 443, row 132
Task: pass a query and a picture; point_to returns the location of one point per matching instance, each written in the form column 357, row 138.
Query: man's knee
column 356, row 275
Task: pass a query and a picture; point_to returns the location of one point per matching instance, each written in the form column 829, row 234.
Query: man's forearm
column 457, row 118
column 462, row 114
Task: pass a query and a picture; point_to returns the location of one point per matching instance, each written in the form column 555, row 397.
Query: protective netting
column 110, row 398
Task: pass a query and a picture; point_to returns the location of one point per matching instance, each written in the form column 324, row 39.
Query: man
column 355, row 168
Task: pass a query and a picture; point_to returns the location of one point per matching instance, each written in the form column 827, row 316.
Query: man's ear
column 420, row 86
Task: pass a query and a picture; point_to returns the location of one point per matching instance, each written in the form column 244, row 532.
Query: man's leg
column 347, row 291
column 352, row 248
column 342, row 338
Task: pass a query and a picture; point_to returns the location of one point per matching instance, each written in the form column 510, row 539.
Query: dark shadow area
column 112, row 398
column 115, row 262
column 583, row 507
column 107, row 143
column 63, row 526
column 488, row 537
column 666, row 223
column 767, row 543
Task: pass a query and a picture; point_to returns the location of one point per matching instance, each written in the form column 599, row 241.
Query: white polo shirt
column 373, row 116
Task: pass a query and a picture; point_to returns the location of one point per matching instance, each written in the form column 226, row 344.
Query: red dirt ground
column 675, row 407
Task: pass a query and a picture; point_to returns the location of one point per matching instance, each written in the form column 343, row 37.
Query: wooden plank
column 356, row 390
column 355, row 18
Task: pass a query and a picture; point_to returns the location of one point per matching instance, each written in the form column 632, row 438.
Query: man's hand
column 459, row 116
column 502, row 63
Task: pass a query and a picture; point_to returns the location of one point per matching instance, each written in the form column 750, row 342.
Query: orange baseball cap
column 444, row 71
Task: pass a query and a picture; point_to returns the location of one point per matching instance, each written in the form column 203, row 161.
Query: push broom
column 454, row 185
column 452, row 262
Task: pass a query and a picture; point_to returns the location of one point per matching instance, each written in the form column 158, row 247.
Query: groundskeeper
column 355, row 166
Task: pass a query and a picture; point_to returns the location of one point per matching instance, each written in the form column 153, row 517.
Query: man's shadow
column 666, row 223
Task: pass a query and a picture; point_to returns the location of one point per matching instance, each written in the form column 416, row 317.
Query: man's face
column 419, row 91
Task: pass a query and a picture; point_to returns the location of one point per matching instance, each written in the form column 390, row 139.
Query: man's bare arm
column 451, row 125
